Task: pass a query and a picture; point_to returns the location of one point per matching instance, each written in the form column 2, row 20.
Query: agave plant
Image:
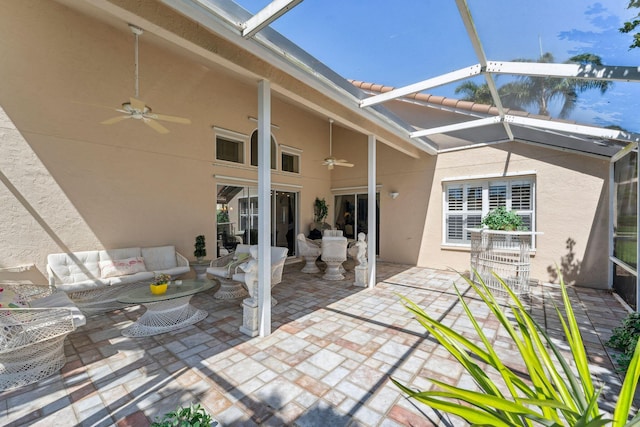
column 554, row 394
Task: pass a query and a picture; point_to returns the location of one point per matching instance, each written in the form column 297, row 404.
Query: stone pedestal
column 361, row 276
column 200, row 268
column 249, row 317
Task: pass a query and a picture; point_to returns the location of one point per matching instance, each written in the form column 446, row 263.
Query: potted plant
column 320, row 210
column 200, row 246
column 320, row 213
column 159, row 284
column 502, row 219
column 193, row 415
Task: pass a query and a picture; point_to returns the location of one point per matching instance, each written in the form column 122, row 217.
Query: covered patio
column 327, row 362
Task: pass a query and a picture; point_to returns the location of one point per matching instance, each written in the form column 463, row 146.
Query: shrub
column 502, row 219
column 191, row 416
column 553, row 393
column 625, row 339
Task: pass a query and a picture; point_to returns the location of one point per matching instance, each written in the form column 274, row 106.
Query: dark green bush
column 191, row 416
column 625, row 338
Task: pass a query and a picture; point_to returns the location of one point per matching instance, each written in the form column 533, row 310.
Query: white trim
column 490, row 176
column 361, row 189
column 222, row 178
column 290, row 149
column 230, row 133
column 253, row 119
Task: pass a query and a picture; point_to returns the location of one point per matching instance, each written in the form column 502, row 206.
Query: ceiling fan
column 332, row 161
column 137, row 109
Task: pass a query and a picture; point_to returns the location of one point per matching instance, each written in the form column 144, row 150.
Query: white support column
column 372, row 238
column 637, row 236
column 264, row 208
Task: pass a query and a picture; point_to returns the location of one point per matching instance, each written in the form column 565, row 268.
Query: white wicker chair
column 310, row 251
column 32, row 339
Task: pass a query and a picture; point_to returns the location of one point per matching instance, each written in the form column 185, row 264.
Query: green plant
column 320, row 210
column 502, row 219
column 222, row 216
column 160, row 279
column 200, row 246
column 625, row 339
column 193, row 415
column 548, row 393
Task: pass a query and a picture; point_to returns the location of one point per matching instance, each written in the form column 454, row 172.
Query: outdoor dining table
column 166, row 312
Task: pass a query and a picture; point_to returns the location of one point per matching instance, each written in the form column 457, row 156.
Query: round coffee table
column 166, row 312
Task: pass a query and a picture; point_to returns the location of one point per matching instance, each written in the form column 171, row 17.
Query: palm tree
column 540, row 92
column 475, row 93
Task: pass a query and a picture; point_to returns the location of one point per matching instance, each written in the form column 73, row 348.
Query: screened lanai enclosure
column 471, row 61
column 412, row 119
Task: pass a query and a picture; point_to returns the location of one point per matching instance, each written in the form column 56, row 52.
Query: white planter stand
column 507, row 253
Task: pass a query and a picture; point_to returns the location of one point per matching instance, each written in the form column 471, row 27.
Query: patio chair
column 334, row 253
column 310, row 251
column 278, row 258
column 33, row 327
column 224, row 268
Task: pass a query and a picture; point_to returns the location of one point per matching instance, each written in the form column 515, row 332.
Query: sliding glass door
column 352, row 215
column 237, row 217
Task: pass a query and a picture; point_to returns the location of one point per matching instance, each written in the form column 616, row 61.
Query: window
column 254, row 150
column 466, row 203
column 229, row 150
column 290, row 163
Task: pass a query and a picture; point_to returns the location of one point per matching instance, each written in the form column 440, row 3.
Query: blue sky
column 400, row 42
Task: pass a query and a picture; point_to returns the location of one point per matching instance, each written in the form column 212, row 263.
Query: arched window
column 254, row 150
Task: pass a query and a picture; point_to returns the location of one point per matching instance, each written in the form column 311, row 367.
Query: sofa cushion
column 131, row 278
column 83, row 285
column 159, row 258
column 121, row 253
column 75, row 267
column 121, row 267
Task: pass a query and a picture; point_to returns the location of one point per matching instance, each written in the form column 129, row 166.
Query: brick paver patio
column 327, row 363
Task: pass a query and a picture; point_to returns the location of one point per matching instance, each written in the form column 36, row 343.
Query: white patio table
column 166, row 312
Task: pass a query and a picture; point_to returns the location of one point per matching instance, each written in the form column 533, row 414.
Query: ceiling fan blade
column 115, row 120
column 173, row 119
column 155, row 125
column 349, row 165
column 136, row 104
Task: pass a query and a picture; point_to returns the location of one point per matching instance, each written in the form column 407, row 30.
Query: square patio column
column 371, row 193
column 264, row 206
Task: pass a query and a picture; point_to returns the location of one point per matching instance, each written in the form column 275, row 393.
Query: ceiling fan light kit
column 331, row 161
column 138, row 109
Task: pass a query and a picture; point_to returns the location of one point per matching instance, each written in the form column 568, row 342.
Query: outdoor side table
column 166, row 312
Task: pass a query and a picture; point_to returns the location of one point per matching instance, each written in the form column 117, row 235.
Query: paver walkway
column 327, row 362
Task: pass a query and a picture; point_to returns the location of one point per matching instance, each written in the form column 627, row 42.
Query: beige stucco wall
column 68, row 183
column 571, row 202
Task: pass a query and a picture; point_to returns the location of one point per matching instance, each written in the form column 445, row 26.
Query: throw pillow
column 121, row 267
column 11, row 299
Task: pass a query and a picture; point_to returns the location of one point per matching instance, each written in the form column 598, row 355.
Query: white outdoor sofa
column 32, row 333
column 95, row 279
